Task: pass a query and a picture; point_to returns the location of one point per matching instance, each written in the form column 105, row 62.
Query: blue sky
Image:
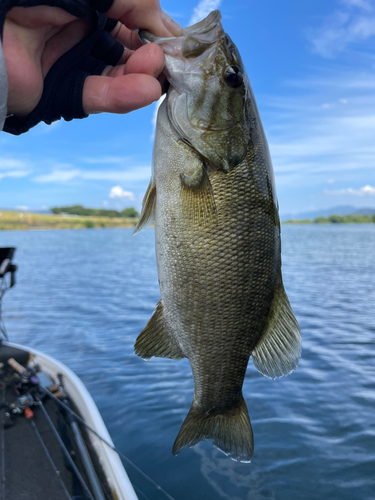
column 312, row 68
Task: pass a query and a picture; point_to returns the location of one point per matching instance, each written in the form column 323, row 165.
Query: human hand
column 36, row 37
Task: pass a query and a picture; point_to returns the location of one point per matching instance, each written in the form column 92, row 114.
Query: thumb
column 121, row 94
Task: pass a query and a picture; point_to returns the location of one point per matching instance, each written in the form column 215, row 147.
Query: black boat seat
column 6, row 352
column 6, row 266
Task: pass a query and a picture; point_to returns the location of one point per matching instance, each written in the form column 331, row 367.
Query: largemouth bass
column 212, row 197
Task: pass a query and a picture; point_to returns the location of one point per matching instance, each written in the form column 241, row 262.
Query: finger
column 119, row 95
column 107, row 49
column 119, row 69
column 124, row 58
column 148, row 60
column 171, row 25
column 144, row 15
column 127, row 37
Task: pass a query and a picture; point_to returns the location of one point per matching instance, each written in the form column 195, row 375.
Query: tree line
column 337, row 219
column 129, row 213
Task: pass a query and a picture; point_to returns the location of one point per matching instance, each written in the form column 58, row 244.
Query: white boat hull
column 110, row 462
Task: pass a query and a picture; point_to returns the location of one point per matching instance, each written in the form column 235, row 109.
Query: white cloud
column 118, row 192
column 105, row 160
column 15, row 173
column 22, row 208
column 363, row 191
column 203, row 9
column 310, row 144
column 355, row 23
column 11, row 163
column 58, row 176
column 362, row 4
column 10, row 167
column 357, row 80
column 43, row 129
column 65, row 175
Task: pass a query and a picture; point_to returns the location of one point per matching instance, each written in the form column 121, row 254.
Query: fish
column 213, row 201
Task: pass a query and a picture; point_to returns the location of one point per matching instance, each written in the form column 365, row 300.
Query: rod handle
column 15, row 365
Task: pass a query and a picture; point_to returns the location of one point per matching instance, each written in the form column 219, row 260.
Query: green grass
column 336, row 219
column 10, row 220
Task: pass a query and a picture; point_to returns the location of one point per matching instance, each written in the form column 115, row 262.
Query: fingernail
column 171, row 24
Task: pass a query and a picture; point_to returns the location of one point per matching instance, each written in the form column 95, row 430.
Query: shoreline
column 13, row 221
column 62, row 228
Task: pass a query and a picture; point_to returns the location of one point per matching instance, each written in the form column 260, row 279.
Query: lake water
column 83, row 296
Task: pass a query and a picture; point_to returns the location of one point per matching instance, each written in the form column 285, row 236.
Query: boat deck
column 28, row 448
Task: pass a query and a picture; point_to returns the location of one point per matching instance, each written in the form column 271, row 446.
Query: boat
column 53, row 441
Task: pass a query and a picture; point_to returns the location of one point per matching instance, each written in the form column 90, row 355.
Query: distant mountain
column 326, row 212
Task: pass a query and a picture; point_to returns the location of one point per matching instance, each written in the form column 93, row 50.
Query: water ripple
column 83, row 296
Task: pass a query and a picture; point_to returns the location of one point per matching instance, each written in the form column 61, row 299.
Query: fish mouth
column 206, row 25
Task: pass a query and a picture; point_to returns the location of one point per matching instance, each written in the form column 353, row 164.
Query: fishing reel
column 26, row 387
column 22, row 403
column 20, row 406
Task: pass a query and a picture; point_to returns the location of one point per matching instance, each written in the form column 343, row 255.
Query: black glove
column 63, row 85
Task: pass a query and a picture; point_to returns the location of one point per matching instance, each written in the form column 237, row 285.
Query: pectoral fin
column 278, row 351
column 197, row 196
column 148, row 208
column 155, row 340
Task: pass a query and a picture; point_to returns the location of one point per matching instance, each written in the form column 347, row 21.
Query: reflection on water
column 84, row 295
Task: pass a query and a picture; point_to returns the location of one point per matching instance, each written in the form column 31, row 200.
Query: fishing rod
column 23, row 405
column 65, row 451
column 90, row 471
column 56, row 471
column 2, row 470
column 126, row 459
column 28, row 374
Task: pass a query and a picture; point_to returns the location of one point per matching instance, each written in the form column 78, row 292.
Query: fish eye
column 233, row 76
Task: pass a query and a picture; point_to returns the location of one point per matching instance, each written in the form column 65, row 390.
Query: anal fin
column 278, row 351
column 155, row 340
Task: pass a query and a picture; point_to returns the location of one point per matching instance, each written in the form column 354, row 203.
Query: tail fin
column 231, row 432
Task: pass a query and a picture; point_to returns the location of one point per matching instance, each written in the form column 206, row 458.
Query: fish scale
column 217, row 234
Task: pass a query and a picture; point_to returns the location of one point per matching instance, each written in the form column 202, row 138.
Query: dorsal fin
column 148, row 208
